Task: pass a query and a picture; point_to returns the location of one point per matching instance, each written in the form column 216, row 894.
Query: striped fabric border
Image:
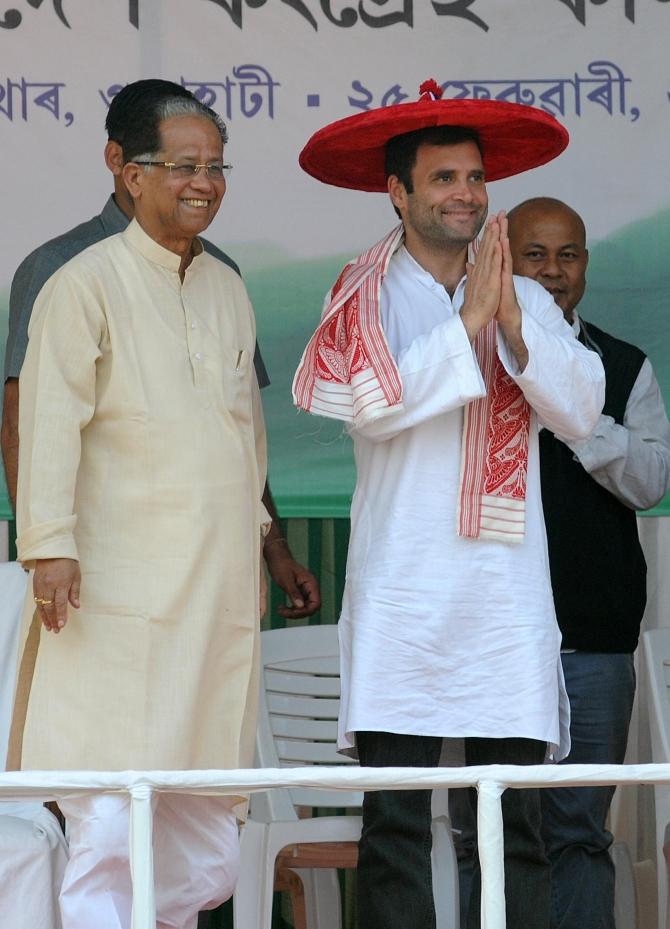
column 362, row 401
column 476, row 418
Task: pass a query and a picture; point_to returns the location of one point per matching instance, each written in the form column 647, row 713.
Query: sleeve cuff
column 265, row 521
column 53, row 539
column 529, row 334
column 606, row 443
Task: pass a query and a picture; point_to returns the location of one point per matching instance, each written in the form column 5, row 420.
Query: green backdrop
column 311, row 462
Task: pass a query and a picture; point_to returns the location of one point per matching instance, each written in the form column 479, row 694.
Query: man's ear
column 134, row 177
column 586, row 252
column 397, row 192
column 114, row 157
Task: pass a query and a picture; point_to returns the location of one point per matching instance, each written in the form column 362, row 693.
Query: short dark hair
column 400, row 156
column 136, row 112
column 139, row 94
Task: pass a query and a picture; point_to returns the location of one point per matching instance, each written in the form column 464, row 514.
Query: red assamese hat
column 514, row 138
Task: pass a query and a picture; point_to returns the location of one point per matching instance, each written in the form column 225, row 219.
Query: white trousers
column 33, row 857
column 196, row 860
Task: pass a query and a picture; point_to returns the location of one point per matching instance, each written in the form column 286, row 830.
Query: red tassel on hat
column 431, row 87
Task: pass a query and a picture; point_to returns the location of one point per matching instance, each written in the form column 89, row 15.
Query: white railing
column 490, row 782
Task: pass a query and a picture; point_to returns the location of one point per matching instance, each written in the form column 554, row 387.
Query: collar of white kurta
column 155, row 252
column 347, row 372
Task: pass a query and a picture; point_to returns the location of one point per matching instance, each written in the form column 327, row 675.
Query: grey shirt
column 631, row 460
column 37, row 268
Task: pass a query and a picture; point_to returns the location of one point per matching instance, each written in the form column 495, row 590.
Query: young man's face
column 448, row 205
column 548, row 245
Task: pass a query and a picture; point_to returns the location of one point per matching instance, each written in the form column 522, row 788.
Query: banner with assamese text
column 277, row 70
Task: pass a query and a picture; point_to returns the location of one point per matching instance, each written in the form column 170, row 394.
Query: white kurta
column 442, row 635
column 143, row 455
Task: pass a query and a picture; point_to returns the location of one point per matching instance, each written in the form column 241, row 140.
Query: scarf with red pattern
column 347, row 372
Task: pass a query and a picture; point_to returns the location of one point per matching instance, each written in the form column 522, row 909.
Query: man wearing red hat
column 442, row 363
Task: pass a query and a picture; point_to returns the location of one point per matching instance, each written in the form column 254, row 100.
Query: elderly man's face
column 548, row 244
column 170, row 208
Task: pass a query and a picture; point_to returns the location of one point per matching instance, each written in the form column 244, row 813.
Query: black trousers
column 394, row 878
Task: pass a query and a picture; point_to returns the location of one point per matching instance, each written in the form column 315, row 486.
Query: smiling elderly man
column 142, row 463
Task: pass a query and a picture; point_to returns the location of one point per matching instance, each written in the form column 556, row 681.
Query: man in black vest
column 590, row 492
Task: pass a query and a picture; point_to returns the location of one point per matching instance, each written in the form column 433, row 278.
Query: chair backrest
column 299, row 703
column 13, row 581
column 656, row 645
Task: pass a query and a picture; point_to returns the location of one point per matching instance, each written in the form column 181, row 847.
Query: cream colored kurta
column 143, row 455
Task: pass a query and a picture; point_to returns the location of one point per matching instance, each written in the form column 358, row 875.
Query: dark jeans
column 527, row 871
column 601, row 688
column 395, row 888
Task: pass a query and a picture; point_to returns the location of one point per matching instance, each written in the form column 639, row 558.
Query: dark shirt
column 598, row 572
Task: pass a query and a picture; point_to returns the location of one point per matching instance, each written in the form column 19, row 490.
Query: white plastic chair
column 625, row 894
column 297, row 725
column 13, row 581
column 33, row 851
column 656, row 646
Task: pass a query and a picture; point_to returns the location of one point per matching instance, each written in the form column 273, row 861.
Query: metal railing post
column 491, row 854
column 490, row 781
column 142, row 858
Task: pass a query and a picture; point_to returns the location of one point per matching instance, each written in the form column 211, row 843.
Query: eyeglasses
column 185, row 172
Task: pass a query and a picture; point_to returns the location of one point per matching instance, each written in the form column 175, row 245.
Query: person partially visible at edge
column 591, row 488
column 141, row 468
column 300, row 586
column 442, row 362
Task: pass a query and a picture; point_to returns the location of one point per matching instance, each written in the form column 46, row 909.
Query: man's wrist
column 472, row 324
column 275, row 540
column 276, row 549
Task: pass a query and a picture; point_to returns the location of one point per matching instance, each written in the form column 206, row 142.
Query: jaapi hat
column 514, row 137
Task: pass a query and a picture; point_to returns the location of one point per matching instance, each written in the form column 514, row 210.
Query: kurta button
column 198, row 356
column 194, row 325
